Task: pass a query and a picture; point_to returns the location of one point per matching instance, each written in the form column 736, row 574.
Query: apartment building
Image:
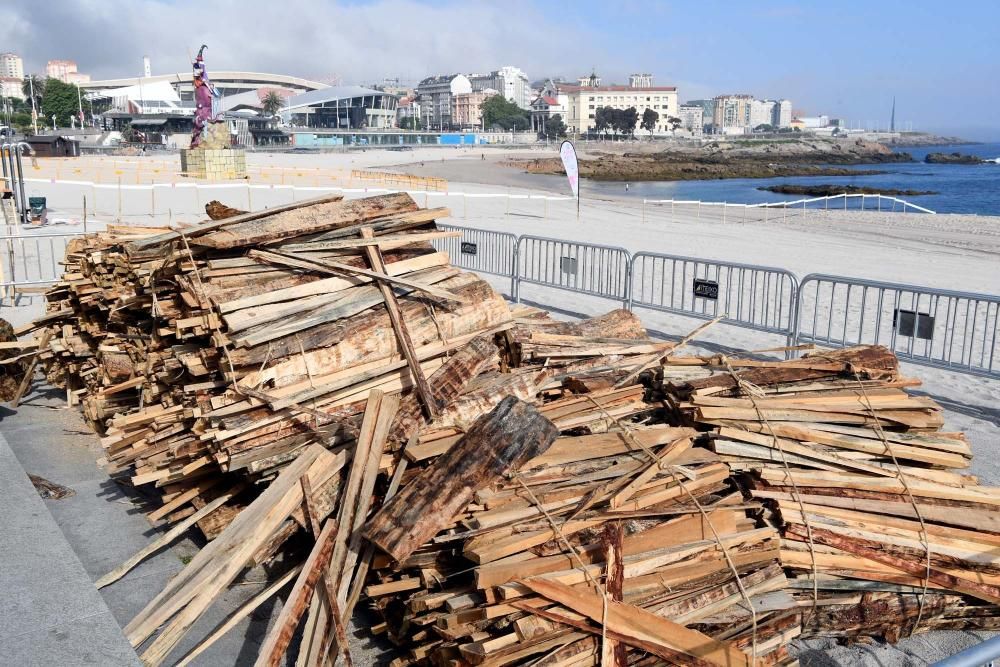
column 732, row 114
column 465, row 108
column 509, row 81
column 434, row 94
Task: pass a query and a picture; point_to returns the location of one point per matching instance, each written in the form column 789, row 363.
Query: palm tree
column 36, row 84
column 272, row 103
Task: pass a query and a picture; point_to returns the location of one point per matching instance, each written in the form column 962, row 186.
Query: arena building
column 342, row 107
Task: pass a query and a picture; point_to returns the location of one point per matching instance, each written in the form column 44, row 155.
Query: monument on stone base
column 211, row 155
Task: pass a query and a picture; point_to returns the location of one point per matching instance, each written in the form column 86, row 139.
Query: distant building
column 583, row 103
column 761, row 113
column 592, row 81
column 707, row 109
column 782, row 114
column 435, row 93
column 692, row 118
column 11, row 66
column 509, row 81
column 731, row 114
column 342, row 107
column 65, row 71
column 640, row 80
column 813, row 122
column 408, row 108
column 552, row 100
column 11, row 87
column 465, row 108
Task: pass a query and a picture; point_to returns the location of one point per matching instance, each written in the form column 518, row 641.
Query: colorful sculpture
column 204, row 91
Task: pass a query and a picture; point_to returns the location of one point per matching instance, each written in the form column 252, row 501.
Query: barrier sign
column 469, row 248
column 913, row 324
column 706, row 289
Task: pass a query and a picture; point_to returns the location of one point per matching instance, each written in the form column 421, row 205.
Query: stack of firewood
column 500, row 487
column 884, row 531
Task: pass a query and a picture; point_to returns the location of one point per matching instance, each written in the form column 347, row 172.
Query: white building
column 761, row 113
column 813, row 122
column 732, row 114
column 408, row 108
column 692, row 118
column 509, row 81
column 11, row 66
column 782, row 114
column 435, row 93
column 583, row 103
column 65, row 71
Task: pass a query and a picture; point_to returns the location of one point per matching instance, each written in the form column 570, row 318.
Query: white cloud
column 309, row 38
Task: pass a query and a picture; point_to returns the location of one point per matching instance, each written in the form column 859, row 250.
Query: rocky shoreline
column 827, row 190
column 952, row 158
column 722, row 159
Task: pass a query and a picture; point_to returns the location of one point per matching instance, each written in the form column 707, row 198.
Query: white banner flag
column 568, row 154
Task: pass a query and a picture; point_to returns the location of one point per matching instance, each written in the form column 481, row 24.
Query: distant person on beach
column 626, row 187
column 484, row 156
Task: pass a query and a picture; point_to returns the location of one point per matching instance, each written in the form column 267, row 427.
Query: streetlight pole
column 34, row 111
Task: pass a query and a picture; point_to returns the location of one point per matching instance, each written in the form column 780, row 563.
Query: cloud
column 360, row 42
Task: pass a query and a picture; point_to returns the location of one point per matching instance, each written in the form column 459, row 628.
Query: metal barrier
column 597, row 270
column 13, row 176
column 31, row 260
column 482, row 251
column 958, row 331
column 756, row 297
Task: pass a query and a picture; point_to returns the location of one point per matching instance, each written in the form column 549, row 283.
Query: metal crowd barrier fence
column 751, row 296
column 13, row 176
column 596, row 270
column 958, row 331
column 482, row 251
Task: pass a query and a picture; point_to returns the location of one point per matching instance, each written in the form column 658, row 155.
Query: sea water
column 961, row 188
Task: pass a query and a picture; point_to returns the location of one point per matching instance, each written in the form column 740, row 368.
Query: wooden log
column 613, row 651
column 496, row 444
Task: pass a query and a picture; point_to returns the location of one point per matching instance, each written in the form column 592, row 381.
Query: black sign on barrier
column 568, row 264
column 706, row 289
column 914, row 324
column 469, row 248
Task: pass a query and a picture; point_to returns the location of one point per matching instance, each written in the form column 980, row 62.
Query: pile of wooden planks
column 316, row 388
column 222, row 350
column 884, row 531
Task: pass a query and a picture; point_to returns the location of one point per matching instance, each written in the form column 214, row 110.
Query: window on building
column 590, row 116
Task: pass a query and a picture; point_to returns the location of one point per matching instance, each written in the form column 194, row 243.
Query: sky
column 846, row 59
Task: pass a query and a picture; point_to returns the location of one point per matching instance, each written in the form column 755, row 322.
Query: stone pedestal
column 214, row 164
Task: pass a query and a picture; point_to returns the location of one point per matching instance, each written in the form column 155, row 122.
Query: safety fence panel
column 959, row 331
column 748, row 295
column 32, row 259
column 482, row 251
column 597, row 270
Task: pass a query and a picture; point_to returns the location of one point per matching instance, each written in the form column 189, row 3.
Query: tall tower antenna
column 892, row 118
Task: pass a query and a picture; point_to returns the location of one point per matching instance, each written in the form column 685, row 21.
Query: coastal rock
column 833, row 190
column 952, row 158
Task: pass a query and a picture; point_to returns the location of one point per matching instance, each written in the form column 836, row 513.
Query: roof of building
column 441, row 78
column 332, row 94
column 218, row 77
column 616, row 89
column 47, row 138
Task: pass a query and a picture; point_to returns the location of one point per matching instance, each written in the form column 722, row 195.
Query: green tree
column 649, row 120
column 410, row 123
column 272, row 103
column 764, row 127
column 60, row 99
column 499, row 112
column 602, row 119
column 628, row 120
column 555, row 127
column 674, row 123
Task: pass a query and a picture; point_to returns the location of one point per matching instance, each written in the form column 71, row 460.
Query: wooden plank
column 280, row 635
column 377, row 263
column 640, row 628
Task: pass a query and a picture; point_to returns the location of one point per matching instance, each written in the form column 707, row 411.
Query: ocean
column 961, row 188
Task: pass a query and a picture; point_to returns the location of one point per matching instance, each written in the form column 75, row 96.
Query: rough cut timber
column 496, row 444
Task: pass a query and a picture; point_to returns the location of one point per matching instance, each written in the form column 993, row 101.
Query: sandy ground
column 947, row 251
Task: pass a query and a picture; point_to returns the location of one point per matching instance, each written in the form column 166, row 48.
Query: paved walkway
column 51, row 612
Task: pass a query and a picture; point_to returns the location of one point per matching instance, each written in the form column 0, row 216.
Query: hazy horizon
column 846, row 60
